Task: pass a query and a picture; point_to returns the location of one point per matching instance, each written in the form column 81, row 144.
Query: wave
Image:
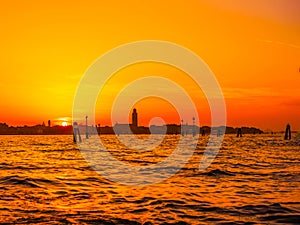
column 26, row 181
column 218, row 172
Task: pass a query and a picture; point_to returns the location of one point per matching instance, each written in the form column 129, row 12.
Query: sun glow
column 64, row 124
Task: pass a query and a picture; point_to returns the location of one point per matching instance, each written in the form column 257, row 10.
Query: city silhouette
column 123, row 128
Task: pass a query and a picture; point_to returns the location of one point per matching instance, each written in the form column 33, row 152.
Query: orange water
column 46, row 180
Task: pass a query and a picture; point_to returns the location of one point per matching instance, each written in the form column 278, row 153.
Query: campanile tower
column 134, row 118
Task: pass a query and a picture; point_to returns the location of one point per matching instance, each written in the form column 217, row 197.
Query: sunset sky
column 252, row 47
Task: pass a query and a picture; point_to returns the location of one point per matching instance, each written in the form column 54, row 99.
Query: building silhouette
column 120, row 128
column 134, row 118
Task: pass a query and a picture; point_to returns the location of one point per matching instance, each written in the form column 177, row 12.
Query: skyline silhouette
column 124, row 128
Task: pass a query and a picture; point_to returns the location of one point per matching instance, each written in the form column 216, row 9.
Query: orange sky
column 252, row 46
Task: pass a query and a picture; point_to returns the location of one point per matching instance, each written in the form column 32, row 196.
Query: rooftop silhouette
column 41, row 129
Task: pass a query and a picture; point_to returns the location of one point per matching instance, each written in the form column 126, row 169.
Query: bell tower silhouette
column 134, row 118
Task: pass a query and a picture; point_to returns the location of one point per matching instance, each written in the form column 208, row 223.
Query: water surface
column 254, row 179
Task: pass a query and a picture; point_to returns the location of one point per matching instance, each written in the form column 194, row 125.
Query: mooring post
column 86, row 128
column 239, row 132
column 75, row 127
column 74, row 136
column 288, row 133
column 75, row 132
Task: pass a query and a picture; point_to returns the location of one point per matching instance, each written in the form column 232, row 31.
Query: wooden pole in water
column 74, row 136
column 288, row 133
column 75, row 132
column 86, row 128
column 239, row 132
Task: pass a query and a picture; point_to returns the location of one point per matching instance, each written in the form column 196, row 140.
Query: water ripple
column 253, row 180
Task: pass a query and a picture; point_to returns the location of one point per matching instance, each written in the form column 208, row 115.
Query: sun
column 64, row 124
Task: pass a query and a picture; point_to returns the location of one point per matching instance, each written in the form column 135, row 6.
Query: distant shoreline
column 125, row 129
